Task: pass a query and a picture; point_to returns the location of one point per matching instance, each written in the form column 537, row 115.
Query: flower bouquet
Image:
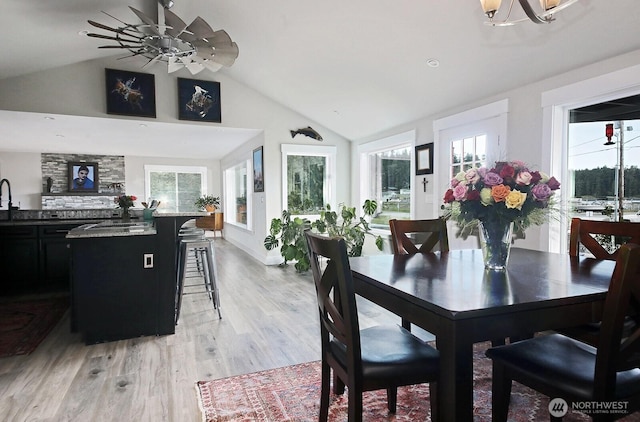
column 125, row 202
column 497, row 199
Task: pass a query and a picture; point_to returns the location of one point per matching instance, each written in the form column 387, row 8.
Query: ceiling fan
column 195, row 46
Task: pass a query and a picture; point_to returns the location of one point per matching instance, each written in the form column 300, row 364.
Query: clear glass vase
column 495, row 241
column 126, row 216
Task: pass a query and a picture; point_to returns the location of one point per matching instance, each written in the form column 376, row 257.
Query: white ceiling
column 358, row 67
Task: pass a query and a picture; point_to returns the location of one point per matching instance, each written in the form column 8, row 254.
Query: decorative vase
column 495, row 241
column 126, row 216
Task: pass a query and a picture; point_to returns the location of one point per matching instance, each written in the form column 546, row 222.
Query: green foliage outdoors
column 290, row 232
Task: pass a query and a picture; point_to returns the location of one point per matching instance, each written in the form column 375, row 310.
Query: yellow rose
column 500, row 192
column 485, row 196
column 515, row 199
column 461, row 176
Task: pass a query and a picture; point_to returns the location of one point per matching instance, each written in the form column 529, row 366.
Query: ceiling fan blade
column 120, row 46
column 220, row 37
column 200, row 29
column 177, row 25
column 107, row 37
column 225, row 55
column 214, row 67
column 194, row 67
column 153, row 27
column 117, row 30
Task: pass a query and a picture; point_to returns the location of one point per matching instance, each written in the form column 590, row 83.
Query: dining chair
column 430, row 233
column 589, row 234
column 374, row 358
column 585, row 233
column 562, row 367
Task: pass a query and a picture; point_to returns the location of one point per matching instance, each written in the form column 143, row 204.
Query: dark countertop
column 54, row 221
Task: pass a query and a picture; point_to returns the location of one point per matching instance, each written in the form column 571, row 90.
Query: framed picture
column 130, row 93
column 83, row 177
column 258, row 173
column 424, row 159
column 199, row 100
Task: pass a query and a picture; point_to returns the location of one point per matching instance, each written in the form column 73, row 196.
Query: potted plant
column 208, row 203
column 290, row 232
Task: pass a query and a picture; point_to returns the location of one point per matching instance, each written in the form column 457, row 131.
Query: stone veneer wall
column 110, row 171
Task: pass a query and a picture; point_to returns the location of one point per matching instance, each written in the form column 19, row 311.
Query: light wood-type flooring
column 269, row 320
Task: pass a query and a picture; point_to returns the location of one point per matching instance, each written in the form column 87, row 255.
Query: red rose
column 448, row 196
column 535, row 177
column 473, row 195
column 507, row 171
column 553, row 183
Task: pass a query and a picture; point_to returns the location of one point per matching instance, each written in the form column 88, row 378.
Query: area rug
column 25, row 323
column 292, row 393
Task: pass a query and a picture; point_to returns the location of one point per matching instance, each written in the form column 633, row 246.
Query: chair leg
column 338, row 385
column 392, row 399
column 324, row 393
column 433, row 400
column 355, row 405
column 500, row 393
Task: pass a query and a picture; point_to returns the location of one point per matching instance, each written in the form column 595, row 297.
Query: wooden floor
column 269, row 320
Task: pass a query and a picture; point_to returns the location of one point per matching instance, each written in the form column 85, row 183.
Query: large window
column 387, row 168
column 176, row 187
column 309, row 182
column 236, row 200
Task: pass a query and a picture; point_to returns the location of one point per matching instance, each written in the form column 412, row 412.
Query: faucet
column 2, row 182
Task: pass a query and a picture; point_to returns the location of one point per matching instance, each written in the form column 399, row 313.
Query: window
column 308, row 186
column 387, row 168
column 176, row 187
column 237, row 202
column 468, row 153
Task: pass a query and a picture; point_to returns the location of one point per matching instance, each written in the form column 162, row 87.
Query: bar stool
column 195, row 246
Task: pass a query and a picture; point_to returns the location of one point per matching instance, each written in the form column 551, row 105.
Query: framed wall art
column 130, row 93
column 258, row 172
column 199, row 100
column 82, row 177
column 424, row 159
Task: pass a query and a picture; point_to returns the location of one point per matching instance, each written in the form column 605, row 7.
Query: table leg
column 455, row 384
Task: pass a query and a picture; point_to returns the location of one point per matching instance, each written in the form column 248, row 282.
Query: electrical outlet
column 148, row 260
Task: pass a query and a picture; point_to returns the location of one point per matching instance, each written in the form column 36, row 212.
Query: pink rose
column 524, row 178
column 460, row 192
column 472, row 176
column 454, row 182
column 541, row 192
column 492, row 179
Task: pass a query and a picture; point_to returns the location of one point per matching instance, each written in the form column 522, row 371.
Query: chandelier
column 545, row 15
column 195, row 46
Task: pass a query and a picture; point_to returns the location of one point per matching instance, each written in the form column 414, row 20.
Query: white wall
column 23, row 170
column 79, row 90
column 525, row 140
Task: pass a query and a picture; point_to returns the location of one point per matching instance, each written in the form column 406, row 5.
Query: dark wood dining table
column 451, row 295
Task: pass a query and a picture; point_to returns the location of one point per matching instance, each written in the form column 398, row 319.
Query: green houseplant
column 290, row 232
column 207, row 202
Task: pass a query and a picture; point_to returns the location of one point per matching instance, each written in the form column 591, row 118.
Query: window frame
column 229, row 202
column 330, row 152
column 159, row 168
column 401, row 140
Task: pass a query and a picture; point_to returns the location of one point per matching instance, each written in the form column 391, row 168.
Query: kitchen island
column 124, row 277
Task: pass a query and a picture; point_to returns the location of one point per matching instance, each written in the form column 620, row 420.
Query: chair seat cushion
column 391, row 352
column 564, row 363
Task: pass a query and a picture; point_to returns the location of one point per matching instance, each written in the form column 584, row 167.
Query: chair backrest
column 585, row 232
column 433, row 231
column 616, row 353
column 336, row 299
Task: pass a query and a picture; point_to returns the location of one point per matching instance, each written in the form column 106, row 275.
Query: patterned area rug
column 25, row 323
column 292, row 393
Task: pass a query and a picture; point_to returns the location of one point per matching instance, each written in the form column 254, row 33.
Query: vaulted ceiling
column 358, row 67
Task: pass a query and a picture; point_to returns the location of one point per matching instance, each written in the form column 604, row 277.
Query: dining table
column 451, row 295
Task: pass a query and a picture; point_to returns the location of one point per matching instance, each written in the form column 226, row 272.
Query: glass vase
column 126, row 216
column 495, row 241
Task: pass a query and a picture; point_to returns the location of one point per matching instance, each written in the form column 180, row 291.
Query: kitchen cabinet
column 34, row 258
column 18, row 259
